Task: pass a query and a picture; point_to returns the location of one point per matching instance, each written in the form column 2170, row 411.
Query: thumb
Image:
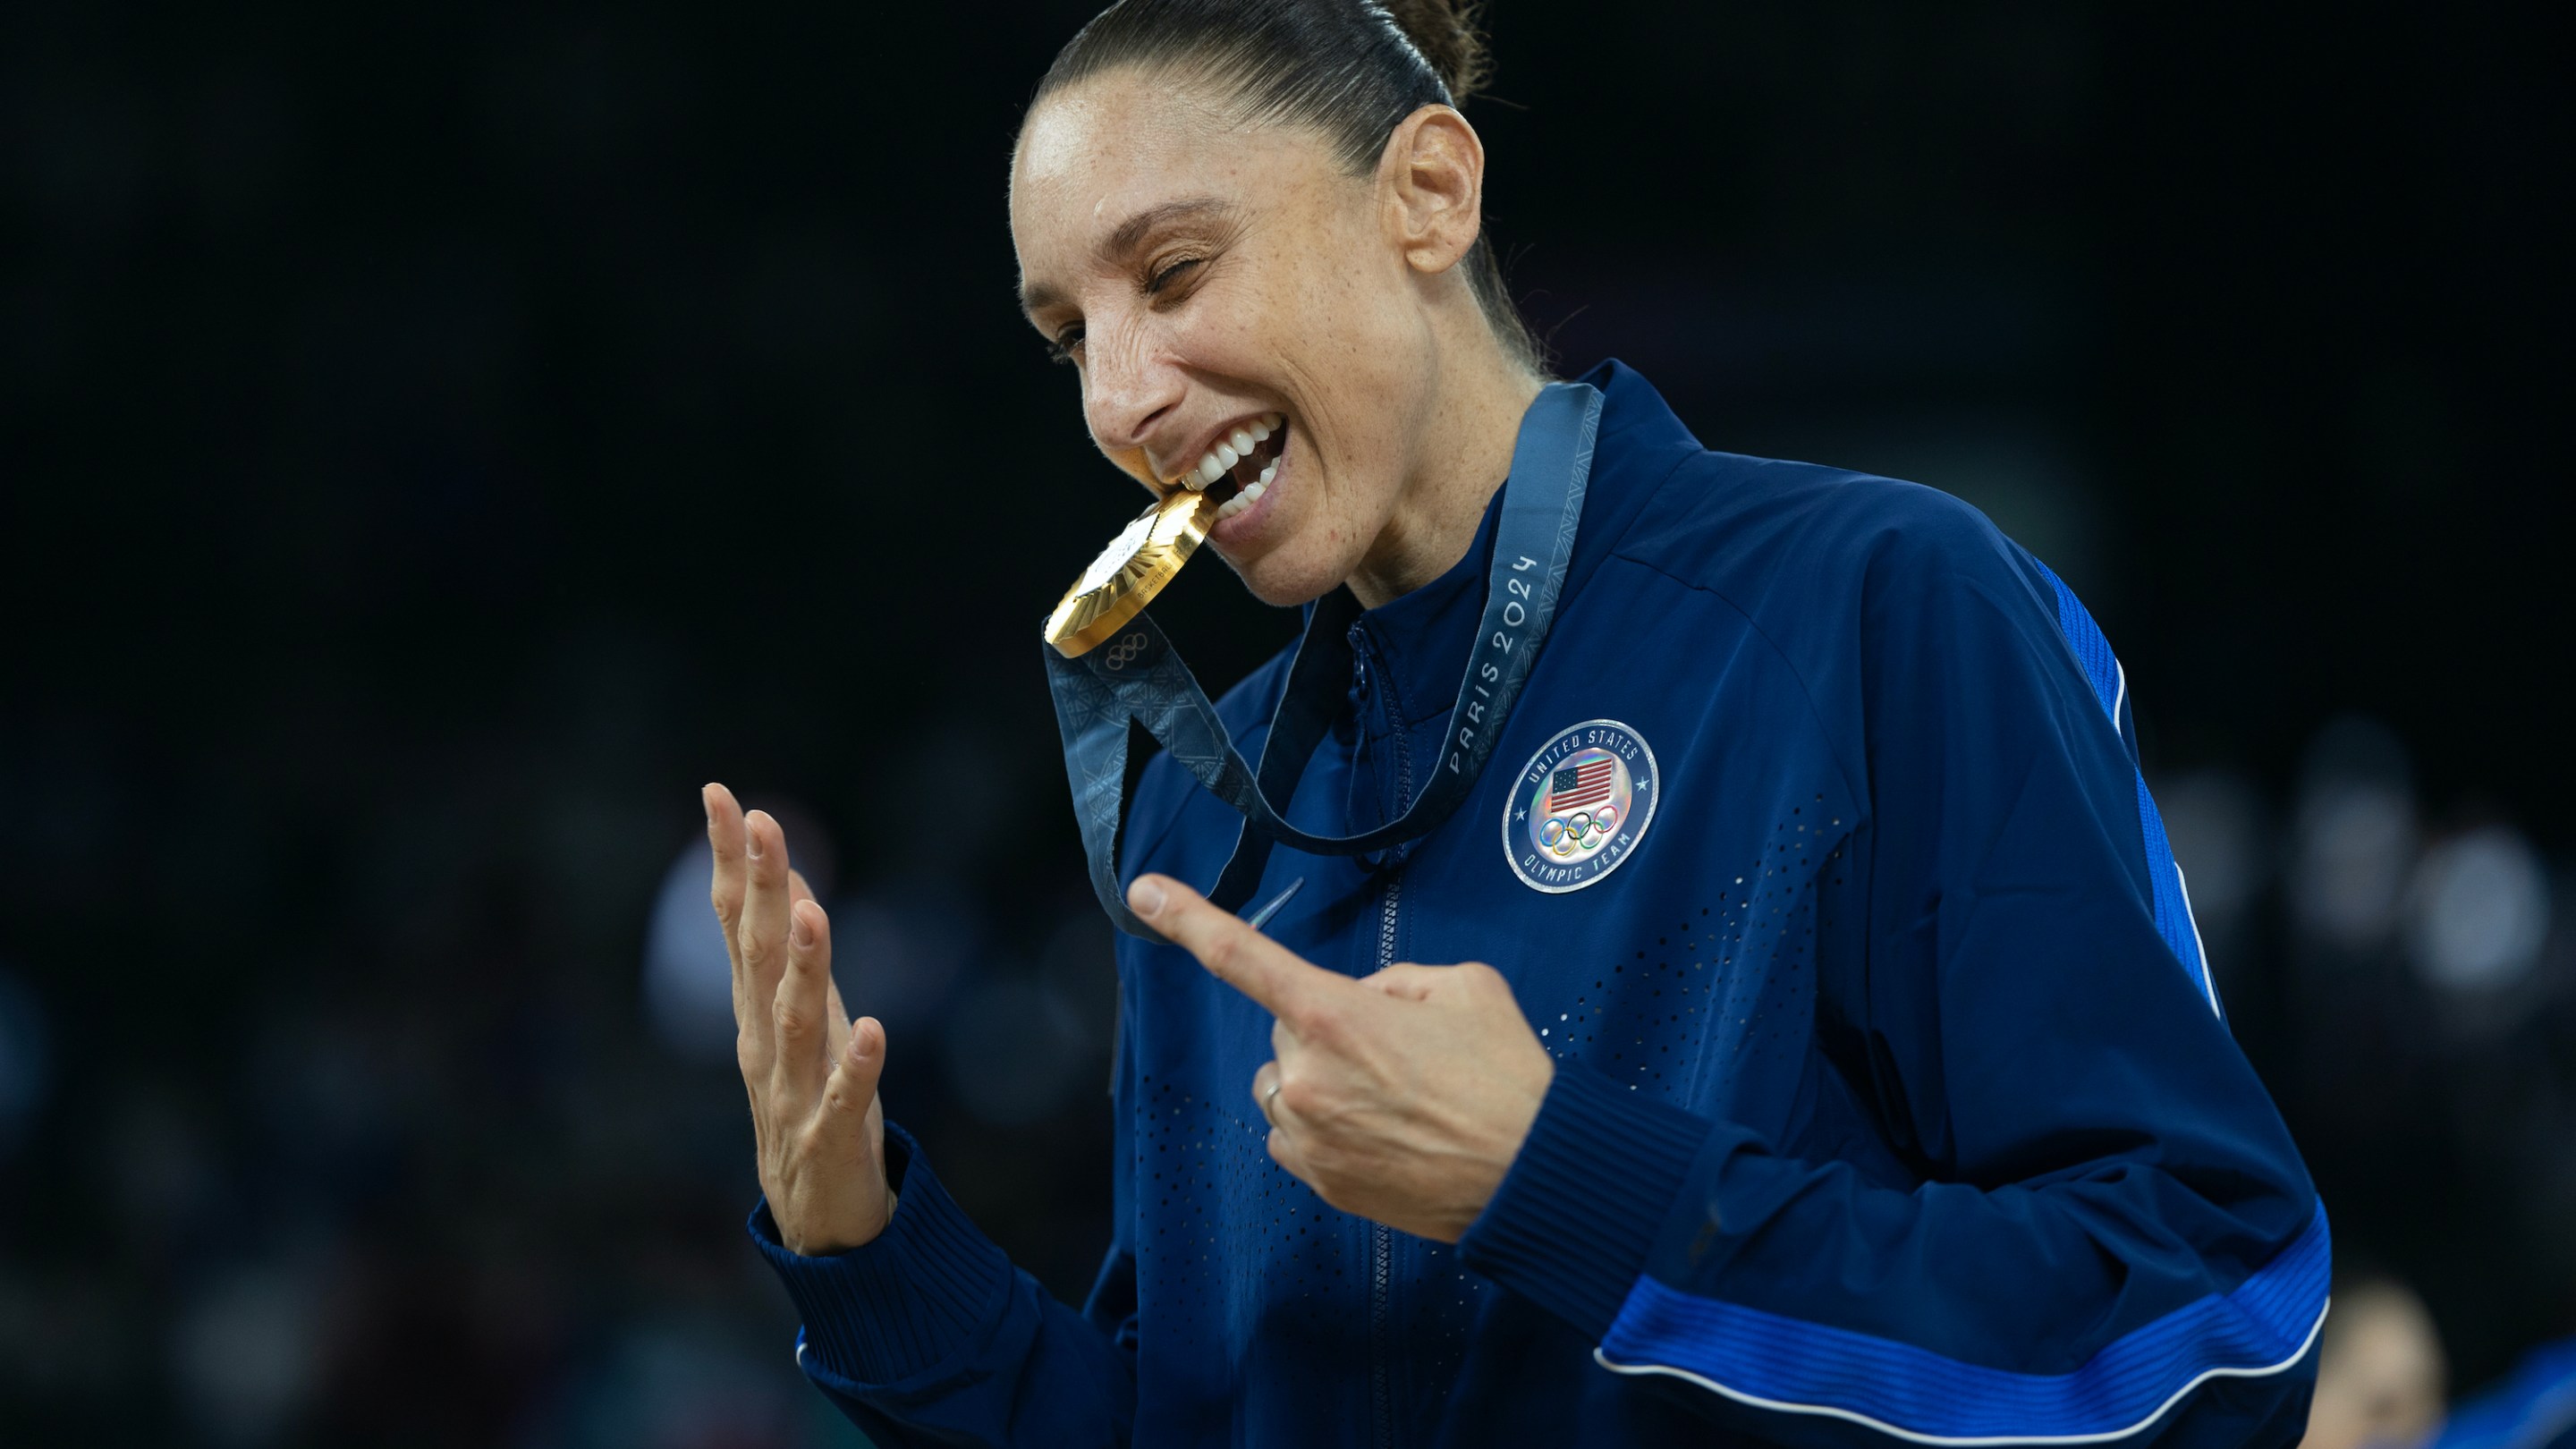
column 855, row 1071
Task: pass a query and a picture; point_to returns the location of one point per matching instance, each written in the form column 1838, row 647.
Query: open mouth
column 1241, row 465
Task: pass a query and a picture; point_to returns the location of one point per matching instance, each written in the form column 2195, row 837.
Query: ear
column 1433, row 174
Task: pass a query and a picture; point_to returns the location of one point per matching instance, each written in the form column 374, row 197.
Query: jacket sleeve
column 928, row 1335
column 2102, row 1233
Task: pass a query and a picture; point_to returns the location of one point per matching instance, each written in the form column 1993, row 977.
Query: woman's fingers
column 811, row 1074
column 1285, row 1152
column 1265, row 1088
column 802, row 1015
column 762, row 936
column 836, row 1020
column 836, row 1023
column 852, row 1086
column 724, row 891
column 724, row 839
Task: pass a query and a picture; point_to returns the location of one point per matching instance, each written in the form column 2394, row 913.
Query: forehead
column 1099, row 152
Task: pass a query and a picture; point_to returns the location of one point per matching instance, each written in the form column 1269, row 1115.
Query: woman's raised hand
column 812, row 1072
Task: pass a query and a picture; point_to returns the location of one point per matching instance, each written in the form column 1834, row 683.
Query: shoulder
column 1872, row 591
column 1767, row 529
column 1729, row 516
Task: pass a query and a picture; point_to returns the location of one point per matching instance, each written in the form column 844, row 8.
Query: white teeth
column 1269, row 470
column 1233, row 449
column 1243, row 500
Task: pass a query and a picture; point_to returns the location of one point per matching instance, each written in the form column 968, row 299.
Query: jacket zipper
column 1381, row 1245
column 1381, row 1238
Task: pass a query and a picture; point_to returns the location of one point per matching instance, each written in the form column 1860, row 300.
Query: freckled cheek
column 1209, row 335
column 1225, row 343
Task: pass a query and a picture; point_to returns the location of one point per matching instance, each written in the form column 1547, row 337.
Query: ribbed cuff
column 904, row 1302
column 1575, row 1218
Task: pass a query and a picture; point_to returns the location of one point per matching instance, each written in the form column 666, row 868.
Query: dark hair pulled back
column 1349, row 69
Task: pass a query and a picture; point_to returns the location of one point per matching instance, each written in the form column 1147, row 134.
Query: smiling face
column 1219, row 284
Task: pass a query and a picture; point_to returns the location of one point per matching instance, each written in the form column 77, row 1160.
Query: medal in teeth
column 1148, row 553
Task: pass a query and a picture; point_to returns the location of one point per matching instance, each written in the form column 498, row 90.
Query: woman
column 1845, row 1067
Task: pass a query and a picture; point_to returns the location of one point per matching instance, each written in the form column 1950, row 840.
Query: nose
column 1129, row 387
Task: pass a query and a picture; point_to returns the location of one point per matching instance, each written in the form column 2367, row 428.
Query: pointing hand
column 1402, row 1097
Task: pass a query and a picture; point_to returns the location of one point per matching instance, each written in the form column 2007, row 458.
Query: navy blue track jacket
column 1892, row 1099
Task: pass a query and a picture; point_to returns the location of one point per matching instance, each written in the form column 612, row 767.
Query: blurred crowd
column 441, row 1184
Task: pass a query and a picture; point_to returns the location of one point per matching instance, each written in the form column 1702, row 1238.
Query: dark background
column 436, row 439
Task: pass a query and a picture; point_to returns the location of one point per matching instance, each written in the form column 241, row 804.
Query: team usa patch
column 1580, row 806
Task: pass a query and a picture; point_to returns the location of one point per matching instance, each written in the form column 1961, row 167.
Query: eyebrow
column 1125, row 239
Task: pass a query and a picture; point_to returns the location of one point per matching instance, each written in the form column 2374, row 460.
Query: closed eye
column 1065, row 345
column 1163, row 278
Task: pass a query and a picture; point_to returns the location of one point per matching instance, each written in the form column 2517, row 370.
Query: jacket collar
column 1420, row 640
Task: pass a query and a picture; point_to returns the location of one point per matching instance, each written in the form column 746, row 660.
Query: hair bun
column 1446, row 34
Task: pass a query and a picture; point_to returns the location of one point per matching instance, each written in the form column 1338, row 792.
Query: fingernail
column 751, row 844
column 1145, row 897
column 802, row 933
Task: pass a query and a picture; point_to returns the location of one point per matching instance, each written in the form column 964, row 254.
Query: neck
column 1467, row 444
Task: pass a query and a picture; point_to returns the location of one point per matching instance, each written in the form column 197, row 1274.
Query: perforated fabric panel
column 1703, row 1009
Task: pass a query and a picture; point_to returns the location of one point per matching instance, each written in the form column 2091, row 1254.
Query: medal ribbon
column 1136, row 681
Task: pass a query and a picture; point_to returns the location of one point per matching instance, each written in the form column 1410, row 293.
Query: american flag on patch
column 1582, row 785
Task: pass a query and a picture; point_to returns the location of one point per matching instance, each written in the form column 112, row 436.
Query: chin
column 1280, row 578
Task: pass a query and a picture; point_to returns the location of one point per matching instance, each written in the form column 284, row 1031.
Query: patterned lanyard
column 1138, row 680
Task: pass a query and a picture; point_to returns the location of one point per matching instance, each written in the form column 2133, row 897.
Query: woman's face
column 1209, row 280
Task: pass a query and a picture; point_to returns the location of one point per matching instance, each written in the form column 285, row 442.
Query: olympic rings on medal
column 1124, row 652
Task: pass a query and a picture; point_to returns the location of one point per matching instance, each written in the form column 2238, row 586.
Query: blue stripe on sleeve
column 2172, row 905
column 2092, row 647
column 1773, row 1362
column 2172, row 901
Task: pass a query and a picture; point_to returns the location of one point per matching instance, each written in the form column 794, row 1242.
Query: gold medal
column 1130, row 572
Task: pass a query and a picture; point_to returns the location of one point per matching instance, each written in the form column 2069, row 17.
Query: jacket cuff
column 903, row 1302
column 1572, row 1224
